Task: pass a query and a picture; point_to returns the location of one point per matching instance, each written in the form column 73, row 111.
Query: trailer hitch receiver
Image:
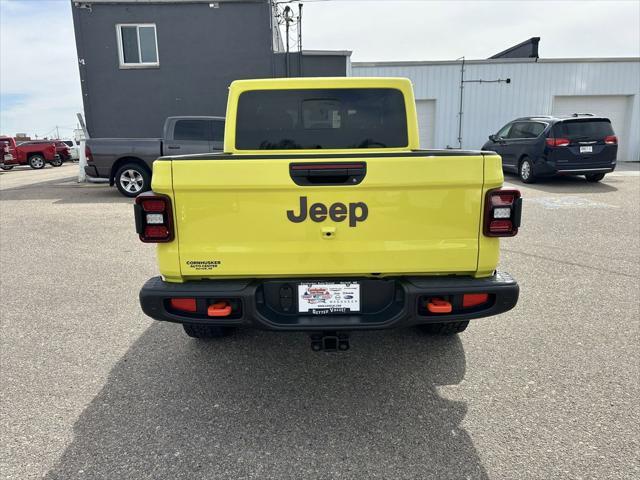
column 330, row 342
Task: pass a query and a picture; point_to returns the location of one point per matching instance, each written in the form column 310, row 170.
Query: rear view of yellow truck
column 323, row 215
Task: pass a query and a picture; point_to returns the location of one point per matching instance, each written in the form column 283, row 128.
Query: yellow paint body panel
column 424, row 212
column 167, row 253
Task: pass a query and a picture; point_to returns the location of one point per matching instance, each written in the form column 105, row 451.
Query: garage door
column 614, row 107
column 426, row 122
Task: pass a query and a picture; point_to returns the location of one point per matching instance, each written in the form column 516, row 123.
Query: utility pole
column 461, row 100
column 300, row 40
column 57, row 133
column 288, row 19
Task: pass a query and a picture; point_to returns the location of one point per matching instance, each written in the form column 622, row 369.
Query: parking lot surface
column 93, row 389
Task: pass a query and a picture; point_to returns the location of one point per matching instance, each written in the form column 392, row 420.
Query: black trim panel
column 398, row 299
column 297, row 156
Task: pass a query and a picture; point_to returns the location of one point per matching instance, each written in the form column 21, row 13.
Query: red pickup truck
column 36, row 154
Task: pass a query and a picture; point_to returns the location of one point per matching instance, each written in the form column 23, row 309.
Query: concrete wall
column 534, row 85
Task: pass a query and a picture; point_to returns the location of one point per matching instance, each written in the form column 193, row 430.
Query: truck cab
column 322, row 214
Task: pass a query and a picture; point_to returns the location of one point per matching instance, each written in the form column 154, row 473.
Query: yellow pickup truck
column 323, row 215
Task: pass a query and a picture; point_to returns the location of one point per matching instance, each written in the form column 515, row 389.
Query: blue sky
column 38, row 33
column 36, row 101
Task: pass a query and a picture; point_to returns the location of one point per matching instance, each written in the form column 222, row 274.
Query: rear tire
column 594, row 177
column 525, row 171
column 132, row 179
column 448, row 328
column 195, row 330
column 36, row 161
column 6, row 167
column 56, row 162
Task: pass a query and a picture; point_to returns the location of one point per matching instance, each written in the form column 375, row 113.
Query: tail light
column 88, row 154
column 558, row 142
column 502, row 213
column 611, row 140
column 154, row 218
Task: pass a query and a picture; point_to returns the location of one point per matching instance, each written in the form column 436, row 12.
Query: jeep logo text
column 338, row 212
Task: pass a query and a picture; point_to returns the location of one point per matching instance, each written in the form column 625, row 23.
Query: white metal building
column 604, row 86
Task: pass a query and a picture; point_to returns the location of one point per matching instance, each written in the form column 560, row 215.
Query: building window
column 137, row 45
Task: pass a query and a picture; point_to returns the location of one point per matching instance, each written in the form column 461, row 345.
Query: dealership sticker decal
column 203, row 264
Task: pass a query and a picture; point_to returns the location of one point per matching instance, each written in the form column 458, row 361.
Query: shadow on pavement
column 65, row 191
column 565, row 184
column 263, row 405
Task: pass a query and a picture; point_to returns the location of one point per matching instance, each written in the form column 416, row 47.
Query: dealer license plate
column 586, row 149
column 323, row 298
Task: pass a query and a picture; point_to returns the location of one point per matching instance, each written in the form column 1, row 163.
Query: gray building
column 538, row 86
column 141, row 61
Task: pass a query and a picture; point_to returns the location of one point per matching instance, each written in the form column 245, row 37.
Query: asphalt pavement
column 93, row 389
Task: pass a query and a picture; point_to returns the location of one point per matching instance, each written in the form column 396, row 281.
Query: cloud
column 40, row 84
column 39, row 79
column 432, row 30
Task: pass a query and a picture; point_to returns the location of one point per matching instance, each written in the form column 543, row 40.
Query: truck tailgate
column 422, row 216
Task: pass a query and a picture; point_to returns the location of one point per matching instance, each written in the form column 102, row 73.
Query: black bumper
column 386, row 302
column 544, row 167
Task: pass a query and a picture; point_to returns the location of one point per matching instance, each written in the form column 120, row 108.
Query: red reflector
column 611, row 140
column 500, row 226
column 474, row 299
column 153, row 206
column 184, row 304
column 219, row 309
column 156, row 231
column 439, row 305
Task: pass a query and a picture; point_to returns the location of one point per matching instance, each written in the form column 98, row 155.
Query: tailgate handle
column 328, row 173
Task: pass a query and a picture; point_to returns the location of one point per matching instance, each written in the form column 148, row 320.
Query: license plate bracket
column 328, row 297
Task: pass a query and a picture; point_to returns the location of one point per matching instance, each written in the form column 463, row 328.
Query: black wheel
column 56, row 162
column 525, row 171
column 36, row 161
column 206, row 331
column 132, row 179
column 6, row 167
column 594, row 177
column 448, row 328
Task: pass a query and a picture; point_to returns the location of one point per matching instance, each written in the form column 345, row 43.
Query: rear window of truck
column 584, row 129
column 199, row 130
column 321, row 119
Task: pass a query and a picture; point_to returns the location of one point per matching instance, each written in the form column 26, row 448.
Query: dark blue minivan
column 534, row 147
